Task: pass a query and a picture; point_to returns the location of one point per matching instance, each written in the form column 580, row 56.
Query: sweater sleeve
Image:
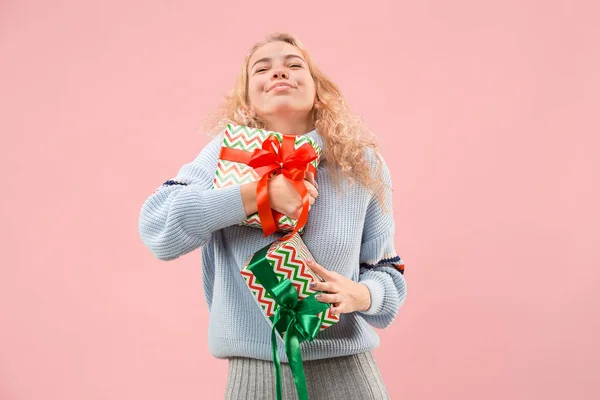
column 183, row 212
column 381, row 269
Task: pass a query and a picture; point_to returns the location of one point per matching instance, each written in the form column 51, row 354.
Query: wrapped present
column 279, row 279
column 249, row 155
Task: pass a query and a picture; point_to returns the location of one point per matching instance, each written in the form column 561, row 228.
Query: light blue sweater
column 346, row 232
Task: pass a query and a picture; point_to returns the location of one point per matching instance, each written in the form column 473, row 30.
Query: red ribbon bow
column 272, row 159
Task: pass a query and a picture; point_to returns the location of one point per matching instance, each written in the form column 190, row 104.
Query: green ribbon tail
column 292, row 349
column 276, row 363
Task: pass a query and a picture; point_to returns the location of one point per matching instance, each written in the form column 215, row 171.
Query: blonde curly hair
column 344, row 134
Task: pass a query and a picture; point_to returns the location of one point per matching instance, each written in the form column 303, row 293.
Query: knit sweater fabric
column 347, row 232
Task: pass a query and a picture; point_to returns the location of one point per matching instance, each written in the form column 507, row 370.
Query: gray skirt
column 354, row 377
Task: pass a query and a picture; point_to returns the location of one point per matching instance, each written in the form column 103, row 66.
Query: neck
column 288, row 125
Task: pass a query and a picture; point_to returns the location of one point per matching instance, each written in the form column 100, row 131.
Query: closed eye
column 262, row 69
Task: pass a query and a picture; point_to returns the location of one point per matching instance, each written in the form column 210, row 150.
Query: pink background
column 488, row 117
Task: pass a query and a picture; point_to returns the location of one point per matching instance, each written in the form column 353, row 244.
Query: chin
column 288, row 107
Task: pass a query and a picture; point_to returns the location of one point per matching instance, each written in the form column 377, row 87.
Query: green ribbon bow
column 298, row 319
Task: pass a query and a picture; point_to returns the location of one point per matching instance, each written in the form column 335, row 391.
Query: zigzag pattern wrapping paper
column 235, row 173
column 289, row 261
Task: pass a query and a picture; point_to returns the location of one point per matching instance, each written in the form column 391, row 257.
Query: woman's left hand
column 344, row 294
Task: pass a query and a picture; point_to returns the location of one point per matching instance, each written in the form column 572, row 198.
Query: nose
column 280, row 74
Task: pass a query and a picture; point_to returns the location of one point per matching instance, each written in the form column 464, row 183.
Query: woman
column 349, row 232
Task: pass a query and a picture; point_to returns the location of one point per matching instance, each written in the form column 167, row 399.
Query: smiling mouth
column 280, row 86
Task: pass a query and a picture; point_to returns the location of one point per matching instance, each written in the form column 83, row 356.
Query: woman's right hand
column 285, row 199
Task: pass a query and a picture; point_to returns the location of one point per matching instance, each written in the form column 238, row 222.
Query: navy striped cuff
column 396, row 262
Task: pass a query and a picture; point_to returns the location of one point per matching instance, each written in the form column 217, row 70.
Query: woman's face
column 279, row 82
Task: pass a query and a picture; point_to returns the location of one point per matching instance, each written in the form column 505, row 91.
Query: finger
column 324, row 287
column 311, row 200
column 311, row 189
column 337, row 310
column 310, row 176
column 327, row 298
column 320, row 270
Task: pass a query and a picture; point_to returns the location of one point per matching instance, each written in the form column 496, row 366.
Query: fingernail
column 313, row 284
column 317, row 296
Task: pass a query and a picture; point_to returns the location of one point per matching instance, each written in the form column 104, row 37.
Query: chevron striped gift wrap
column 235, row 173
column 289, row 260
